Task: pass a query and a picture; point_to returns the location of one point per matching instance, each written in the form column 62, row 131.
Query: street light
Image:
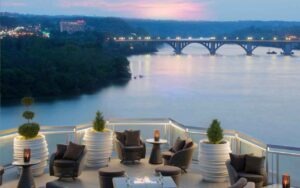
column 249, row 38
column 274, row 38
column 225, row 38
column 178, row 38
column 262, row 38
column 237, row 38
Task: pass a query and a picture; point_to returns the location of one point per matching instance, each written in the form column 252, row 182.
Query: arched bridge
column 249, row 46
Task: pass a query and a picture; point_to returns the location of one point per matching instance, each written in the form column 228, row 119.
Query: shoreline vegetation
column 63, row 65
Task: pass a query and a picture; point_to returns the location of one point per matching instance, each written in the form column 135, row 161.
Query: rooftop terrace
column 280, row 159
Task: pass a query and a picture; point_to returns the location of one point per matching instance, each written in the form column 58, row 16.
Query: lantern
column 286, row 181
column 27, row 154
column 156, row 135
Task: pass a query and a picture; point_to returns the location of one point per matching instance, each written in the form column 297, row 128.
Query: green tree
column 29, row 129
column 215, row 132
column 99, row 122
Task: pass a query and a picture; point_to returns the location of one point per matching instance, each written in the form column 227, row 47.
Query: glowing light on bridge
column 225, row 38
column 249, row 38
column 190, row 38
column 139, row 38
column 287, row 38
column 130, row 38
column 212, row 38
column 168, row 38
column 237, row 38
column 115, row 38
column 262, row 38
column 147, row 38
column 178, row 38
column 121, row 38
column 274, row 38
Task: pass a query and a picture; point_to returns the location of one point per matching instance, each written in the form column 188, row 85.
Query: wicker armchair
column 63, row 168
column 130, row 153
column 181, row 158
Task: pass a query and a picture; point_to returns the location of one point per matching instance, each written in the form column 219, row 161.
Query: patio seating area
column 142, row 166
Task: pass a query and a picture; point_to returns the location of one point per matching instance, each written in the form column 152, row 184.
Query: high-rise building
column 72, row 26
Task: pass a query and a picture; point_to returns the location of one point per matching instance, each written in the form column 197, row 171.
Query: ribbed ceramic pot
column 39, row 150
column 212, row 158
column 99, row 147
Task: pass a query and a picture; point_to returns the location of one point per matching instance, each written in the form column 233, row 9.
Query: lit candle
column 156, row 135
column 286, row 182
column 27, row 153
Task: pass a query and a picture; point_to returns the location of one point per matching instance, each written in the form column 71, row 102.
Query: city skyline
column 211, row 10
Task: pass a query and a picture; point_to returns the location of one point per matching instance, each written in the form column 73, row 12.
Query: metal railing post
column 277, row 168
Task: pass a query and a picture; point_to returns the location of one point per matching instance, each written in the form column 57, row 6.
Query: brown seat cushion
column 178, row 145
column 238, row 162
column 111, row 172
column 188, row 143
column 167, row 154
column 64, row 163
column 74, row 151
column 121, row 137
column 133, row 148
column 60, row 151
column 132, row 138
column 251, row 177
column 254, row 165
column 168, row 170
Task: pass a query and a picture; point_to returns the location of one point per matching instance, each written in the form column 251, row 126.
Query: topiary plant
column 99, row 122
column 29, row 129
column 215, row 132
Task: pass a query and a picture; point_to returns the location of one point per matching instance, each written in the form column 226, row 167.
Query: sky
column 217, row 10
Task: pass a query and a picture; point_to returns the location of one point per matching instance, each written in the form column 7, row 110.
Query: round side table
column 26, row 179
column 155, row 157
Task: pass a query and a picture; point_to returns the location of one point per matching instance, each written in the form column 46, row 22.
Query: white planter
column 212, row 159
column 39, row 150
column 99, row 147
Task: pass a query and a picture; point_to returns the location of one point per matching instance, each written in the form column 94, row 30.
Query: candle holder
column 286, row 181
column 156, row 135
column 27, row 154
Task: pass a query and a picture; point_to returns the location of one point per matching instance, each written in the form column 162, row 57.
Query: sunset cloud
column 157, row 9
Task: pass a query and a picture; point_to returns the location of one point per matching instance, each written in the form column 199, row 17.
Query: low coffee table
column 121, row 182
column 26, row 179
column 155, row 157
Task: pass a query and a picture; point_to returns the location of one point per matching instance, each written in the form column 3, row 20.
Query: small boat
column 271, row 52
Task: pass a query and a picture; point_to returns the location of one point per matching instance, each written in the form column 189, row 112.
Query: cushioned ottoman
column 172, row 171
column 54, row 184
column 106, row 175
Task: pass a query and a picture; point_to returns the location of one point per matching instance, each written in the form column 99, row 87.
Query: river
column 258, row 95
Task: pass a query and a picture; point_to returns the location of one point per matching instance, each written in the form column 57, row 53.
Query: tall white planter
column 39, row 150
column 212, row 159
column 99, row 147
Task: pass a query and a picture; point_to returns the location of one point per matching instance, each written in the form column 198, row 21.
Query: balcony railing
column 279, row 159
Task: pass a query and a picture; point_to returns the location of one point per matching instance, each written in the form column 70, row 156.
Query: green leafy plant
column 215, row 132
column 99, row 122
column 29, row 129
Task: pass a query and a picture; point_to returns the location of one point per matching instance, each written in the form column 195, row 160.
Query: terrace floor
column 89, row 177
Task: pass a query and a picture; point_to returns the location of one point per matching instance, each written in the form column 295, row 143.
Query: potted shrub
column 213, row 153
column 99, row 143
column 29, row 138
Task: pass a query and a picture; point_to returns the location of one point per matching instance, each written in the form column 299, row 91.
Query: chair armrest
column 119, row 147
column 51, row 162
column 144, row 149
column 80, row 163
column 233, row 175
column 183, row 157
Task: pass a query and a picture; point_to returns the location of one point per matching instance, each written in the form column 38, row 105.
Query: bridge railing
column 278, row 158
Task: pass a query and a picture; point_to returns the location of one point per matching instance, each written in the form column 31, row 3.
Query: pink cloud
column 155, row 9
